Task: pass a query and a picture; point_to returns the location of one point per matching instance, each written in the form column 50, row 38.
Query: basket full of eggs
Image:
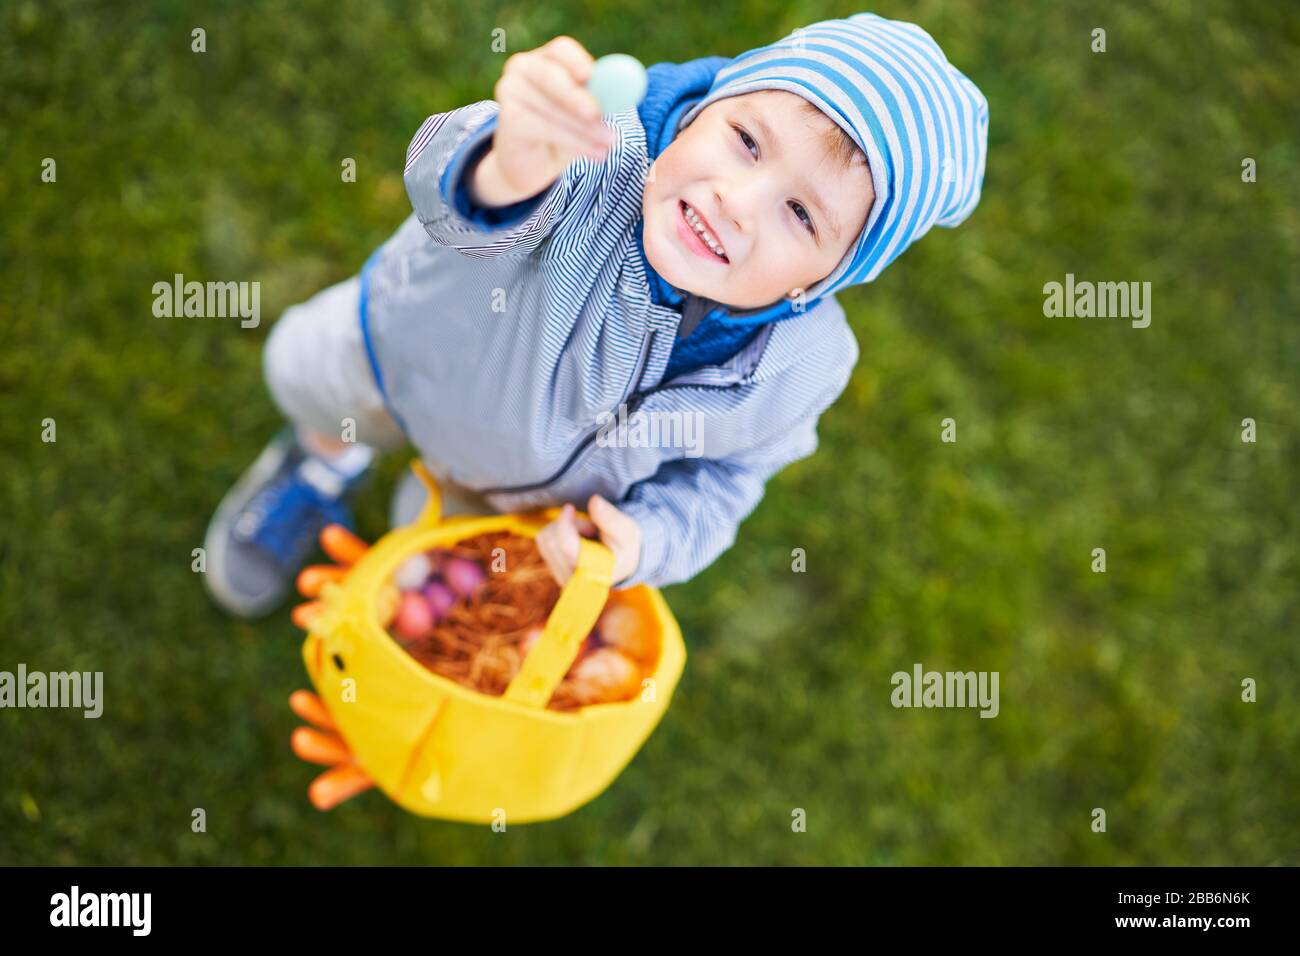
column 453, row 672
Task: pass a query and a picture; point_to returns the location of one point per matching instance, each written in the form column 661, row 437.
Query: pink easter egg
column 414, row 616
column 463, row 576
column 439, row 596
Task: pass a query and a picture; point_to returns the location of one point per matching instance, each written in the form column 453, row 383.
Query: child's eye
column 749, row 144
column 746, row 140
column 805, row 218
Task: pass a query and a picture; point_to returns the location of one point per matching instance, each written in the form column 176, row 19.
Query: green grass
column 1118, row 691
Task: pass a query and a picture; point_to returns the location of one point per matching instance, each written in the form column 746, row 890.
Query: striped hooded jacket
column 524, row 353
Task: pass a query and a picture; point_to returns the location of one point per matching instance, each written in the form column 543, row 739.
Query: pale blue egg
column 618, row 82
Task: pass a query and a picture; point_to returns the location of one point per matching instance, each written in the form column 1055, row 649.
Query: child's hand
column 619, row 532
column 548, row 119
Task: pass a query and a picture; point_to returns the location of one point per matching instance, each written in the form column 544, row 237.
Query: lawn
column 1119, row 690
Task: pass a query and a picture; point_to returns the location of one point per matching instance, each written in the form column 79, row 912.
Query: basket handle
column 431, row 513
column 574, row 615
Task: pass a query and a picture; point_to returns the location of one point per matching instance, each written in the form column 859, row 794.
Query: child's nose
column 732, row 205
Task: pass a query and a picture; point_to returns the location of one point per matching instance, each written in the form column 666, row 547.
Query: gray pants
column 319, row 376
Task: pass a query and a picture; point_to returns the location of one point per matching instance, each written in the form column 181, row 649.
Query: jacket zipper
column 635, row 399
column 588, row 439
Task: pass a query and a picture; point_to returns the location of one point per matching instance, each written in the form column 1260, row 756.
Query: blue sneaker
column 268, row 524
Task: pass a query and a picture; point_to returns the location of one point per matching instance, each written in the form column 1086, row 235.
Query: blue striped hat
column 921, row 123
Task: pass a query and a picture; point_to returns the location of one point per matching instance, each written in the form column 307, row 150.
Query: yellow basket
column 439, row 749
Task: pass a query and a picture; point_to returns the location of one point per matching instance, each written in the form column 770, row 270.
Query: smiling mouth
column 697, row 236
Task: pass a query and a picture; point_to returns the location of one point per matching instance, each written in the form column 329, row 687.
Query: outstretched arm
column 495, row 176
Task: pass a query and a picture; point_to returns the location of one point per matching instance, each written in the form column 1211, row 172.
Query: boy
column 553, row 275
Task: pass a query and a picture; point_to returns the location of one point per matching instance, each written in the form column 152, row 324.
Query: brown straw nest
column 479, row 642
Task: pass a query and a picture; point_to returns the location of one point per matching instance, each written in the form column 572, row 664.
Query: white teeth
column 703, row 233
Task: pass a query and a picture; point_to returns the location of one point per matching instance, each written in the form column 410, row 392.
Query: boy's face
column 755, row 168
